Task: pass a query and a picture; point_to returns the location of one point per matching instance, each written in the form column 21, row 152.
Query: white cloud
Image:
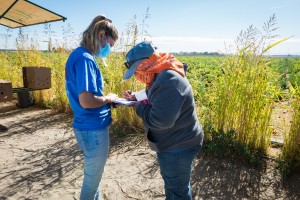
column 201, row 44
column 293, row 40
column 190, row 40
column 189, row 44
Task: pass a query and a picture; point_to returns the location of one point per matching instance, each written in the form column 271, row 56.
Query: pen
column 132, row 87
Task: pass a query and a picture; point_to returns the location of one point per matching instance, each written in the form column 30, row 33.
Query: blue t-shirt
column 83, row 74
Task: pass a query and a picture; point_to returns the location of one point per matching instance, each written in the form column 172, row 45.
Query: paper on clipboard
column 140, row 95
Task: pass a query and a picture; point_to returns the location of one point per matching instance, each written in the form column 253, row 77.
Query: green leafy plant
column 243, row 94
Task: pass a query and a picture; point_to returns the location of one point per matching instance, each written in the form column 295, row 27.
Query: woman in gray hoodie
column 168, row 114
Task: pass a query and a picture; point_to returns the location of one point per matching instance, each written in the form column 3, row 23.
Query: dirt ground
column 40, row 160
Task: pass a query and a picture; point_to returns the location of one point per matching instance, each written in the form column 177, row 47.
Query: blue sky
column 177, row 25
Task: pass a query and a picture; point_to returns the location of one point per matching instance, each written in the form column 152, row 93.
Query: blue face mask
column 103, row 52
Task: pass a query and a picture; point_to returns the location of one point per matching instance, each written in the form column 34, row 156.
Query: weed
column 289, row 160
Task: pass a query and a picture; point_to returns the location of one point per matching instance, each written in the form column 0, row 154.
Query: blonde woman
column 92, row 115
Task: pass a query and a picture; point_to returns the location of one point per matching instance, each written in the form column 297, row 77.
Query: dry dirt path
column 40, row 160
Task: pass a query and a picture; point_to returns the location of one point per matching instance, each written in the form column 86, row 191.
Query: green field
column 235, row 97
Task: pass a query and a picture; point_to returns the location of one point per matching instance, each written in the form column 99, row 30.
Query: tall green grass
column 242, row 103
column 55, row 97
column 114, row 83
column 289, row 160
column 242, row 97
column 234, row 94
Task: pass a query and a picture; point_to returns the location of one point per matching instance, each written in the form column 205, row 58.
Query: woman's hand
column 89, row 100
column 111, row 97
column 129, row 96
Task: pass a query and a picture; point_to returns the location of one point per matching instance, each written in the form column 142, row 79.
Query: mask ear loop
column 104, row 62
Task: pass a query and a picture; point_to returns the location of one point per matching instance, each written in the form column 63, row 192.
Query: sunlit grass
column 242, row 104
column 243, row 95
column 290, row 156
column 234, row 94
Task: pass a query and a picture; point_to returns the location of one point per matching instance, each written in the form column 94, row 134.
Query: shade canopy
column 20, row 13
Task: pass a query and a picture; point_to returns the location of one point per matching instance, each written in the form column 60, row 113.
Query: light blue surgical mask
column 103, row 52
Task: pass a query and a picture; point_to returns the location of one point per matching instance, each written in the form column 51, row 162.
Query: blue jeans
column 95, row 146
column 176, row 169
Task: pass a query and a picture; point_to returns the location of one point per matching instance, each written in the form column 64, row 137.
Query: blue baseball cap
column 136, row 55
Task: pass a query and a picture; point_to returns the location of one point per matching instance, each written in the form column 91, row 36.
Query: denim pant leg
column 95, row 146
column 175, row 169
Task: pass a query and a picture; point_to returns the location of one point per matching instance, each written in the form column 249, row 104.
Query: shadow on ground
column 33, row 170
column 217, row 178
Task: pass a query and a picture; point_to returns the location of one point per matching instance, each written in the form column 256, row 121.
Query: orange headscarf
column 147, row 69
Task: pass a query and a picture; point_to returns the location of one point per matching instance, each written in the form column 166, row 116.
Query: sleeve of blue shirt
column 86, row 76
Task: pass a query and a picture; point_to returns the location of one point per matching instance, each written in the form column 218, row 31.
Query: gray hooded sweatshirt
column 170, row 119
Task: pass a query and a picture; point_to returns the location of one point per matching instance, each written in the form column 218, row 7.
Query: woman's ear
column 101, row 34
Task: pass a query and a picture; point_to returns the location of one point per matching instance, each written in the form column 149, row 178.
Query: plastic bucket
column 25, row 98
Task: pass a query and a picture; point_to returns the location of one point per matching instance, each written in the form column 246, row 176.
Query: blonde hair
column 99, row 25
